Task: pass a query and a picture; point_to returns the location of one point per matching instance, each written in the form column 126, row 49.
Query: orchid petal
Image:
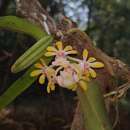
column 87, row 76
column 60, row 81
column 85, row 54
column 48, row 89
column 42, row 79
column 97, row 65
column 91, row 59
column 68, row 48
column 71, row 52
column 50, row 54
column 92, row 73
column 38, row 65
column 50, row 71
column 52, row 87
column 51, row 48
column 35, row 73
column 59, row 45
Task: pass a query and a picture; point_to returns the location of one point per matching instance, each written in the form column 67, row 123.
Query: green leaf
column 32, row 54
column 14, row 23
column 16, row 89
column 93, row 108
column 18, row 86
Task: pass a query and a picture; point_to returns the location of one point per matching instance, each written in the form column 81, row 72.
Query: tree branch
column 33, row 11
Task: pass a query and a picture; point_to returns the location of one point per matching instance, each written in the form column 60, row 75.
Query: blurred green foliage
column 109, row 27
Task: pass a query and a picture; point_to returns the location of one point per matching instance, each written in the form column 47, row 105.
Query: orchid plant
column 66, row 71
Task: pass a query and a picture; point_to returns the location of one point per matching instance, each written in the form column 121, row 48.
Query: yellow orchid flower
column 89, row 64
column 67, row 78
column 66, row 71
column 71, row 78
column 83, row 78
column 59, row 51
column 44, row 71
column 40, row 70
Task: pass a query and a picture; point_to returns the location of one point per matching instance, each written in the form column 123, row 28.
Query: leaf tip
column 13, row 70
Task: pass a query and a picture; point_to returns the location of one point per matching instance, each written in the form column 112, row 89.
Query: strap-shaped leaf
column 19, row 86
column 93, row 108
column 14, row 23
column 16, row 89
column 32, row 54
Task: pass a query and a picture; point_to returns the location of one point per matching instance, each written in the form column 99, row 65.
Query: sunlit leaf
column 14, row 23
column 32, row 54
column 16, row 89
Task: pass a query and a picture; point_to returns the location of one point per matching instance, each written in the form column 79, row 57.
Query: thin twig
column 119, row 92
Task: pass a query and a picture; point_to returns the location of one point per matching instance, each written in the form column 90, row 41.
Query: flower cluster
column 66, row 71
